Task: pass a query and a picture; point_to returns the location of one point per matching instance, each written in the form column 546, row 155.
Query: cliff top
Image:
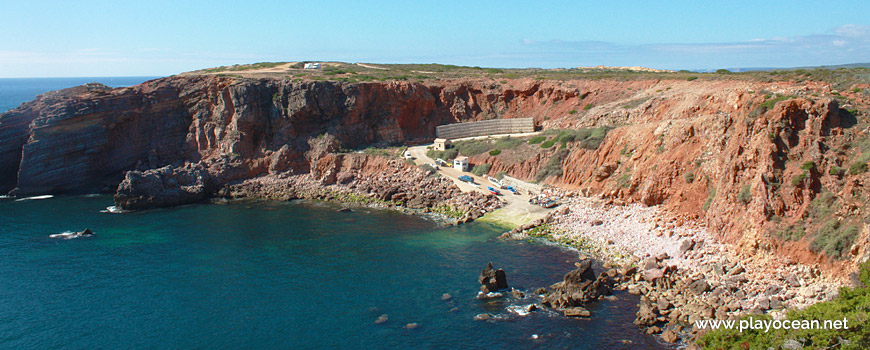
column 840, row 78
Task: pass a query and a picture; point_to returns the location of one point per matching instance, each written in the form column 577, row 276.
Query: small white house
column 311, row 66
column 461, row 163
column 442, row 144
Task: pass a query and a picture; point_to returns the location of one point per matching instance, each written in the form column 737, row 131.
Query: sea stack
column 492, row 280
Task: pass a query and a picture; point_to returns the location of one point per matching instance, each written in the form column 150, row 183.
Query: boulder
column 698, row 286
column 576, row 312
column 669, row 336
column 686, row 246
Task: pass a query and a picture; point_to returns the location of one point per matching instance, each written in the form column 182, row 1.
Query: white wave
column 91, row 195
column 46, row 196
column 521, row 310
column 5, row 197
column 65, row 235
column 69, row 235
column 112, row 209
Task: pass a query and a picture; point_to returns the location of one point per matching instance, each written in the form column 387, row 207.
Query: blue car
column 466, row 178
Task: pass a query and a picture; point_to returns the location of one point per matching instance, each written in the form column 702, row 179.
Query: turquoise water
column 14, row 91
column 268, row 275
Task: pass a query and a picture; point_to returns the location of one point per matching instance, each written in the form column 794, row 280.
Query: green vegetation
column 823, row 206
column 710, row 197
column 588, row 106
column 448, row 210
column 792, row 232
column 843, row 79
column 624, row 181
column 808, row 165
column 495, row 152
column 548, row 143
column 799, row 179
column 553, row 166
column 481, row 169
column 447, row 154
column 834, row 238
column 860, row 164
column 851, row 305
column 690, row 177
column 837, row 171
column 500, row 175
column 427, row 168
column 508, row 142
column 745, row 196
column 537, row 139
column 770, row 103
column 472, row 147
column 723, row 71
column 573, row 111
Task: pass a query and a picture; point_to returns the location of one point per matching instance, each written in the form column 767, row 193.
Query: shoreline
column 682, row 273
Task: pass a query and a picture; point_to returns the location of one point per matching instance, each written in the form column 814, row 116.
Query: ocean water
column 14, row 91
column 275, row 275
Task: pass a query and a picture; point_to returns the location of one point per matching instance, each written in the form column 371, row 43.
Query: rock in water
column 492, row 280
column 579, row 287
column 382, row 319
column 86, row 232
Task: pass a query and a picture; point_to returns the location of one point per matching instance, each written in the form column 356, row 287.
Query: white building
column 311, row 66
column 461, row 163
column 442, row 144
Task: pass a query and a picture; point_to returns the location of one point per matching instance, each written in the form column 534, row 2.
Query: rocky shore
column 398, row 186
column 681, row 271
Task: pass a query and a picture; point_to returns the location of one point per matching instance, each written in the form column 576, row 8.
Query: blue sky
column 118, row 38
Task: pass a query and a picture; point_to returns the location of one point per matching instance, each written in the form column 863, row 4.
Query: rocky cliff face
column 725, row 151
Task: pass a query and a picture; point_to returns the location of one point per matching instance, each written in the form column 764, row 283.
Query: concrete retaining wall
column 486, row 127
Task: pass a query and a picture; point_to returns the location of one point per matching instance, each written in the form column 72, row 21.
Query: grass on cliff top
column 853, row 304
column 841, row 78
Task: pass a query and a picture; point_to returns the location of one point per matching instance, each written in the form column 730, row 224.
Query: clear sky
column 159, row 37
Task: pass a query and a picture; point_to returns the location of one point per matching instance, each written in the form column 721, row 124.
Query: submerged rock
column 382, row 319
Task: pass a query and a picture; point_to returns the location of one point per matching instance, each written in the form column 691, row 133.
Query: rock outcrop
column 492, row 280
column 579, row 287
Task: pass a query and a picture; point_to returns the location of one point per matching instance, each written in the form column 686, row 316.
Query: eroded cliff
column 752, row 159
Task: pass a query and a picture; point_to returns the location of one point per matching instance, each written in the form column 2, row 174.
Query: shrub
column 857, row 168
column 797, row 180
column 834, row 239
column 500, row 175
column 710, row 197
column 447, row 154
column 573, row 111
column 495, row 152
column 792, row 232
column 548, row 143
column 588, row 106
column 808, row 165
column 745, row 196
column 507, row 142
column 537, row 139
column 481, row 169
column 722, row 71
column 473, row 147
column 427, row 167
column 691, row 78
column 837, row 171
column 690, row 177
column 553, row 166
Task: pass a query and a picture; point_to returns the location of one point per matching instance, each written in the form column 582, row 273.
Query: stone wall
column 486, row 127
